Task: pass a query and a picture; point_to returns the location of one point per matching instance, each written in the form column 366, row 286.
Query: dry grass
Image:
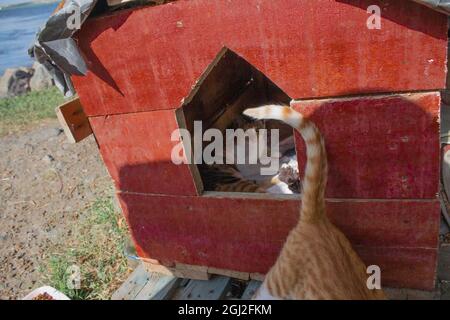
column 97, row 249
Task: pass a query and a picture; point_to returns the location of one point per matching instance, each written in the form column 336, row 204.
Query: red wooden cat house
column 374, row 94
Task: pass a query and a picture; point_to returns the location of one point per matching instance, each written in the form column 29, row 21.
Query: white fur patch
column 280, row 188
column 274, row 112
column 263, row 294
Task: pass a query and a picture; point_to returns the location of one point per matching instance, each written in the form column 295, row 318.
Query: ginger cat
column 317, row 261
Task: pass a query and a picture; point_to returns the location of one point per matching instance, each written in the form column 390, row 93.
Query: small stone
column 48, row 159
column 41, row 78
column 15, row 81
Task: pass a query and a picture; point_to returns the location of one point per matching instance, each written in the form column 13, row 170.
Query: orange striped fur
column 317, row 261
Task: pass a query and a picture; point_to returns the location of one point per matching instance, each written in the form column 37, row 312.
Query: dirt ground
column 46, row 183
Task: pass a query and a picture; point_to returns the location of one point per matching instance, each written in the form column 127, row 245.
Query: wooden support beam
column 73, row 120
column 257, row 276
column 179, row 270
column 229, row 273
column 214, row 289
column 191, row 271
column 251, row 289
column 133, row 285
column 158, row 287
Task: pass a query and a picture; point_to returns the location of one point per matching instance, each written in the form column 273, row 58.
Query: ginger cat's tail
column 314, row 182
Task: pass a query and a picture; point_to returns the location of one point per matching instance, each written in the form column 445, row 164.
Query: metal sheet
column 55, row 48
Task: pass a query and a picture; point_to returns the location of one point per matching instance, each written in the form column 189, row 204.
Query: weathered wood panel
column 136, row 149
column 378, row 146
column 133, row 285
column 214, row 289
column 413, row 268
column 251, row 289
column 158, row 287
column 246, row 234
column 149, row 58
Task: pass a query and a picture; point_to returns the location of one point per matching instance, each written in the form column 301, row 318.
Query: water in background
column 18, row 26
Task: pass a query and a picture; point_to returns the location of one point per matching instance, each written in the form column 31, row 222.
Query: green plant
column 97, row 249
column 20, row 111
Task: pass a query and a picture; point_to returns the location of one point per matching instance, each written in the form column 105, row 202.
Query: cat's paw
column 288, row 174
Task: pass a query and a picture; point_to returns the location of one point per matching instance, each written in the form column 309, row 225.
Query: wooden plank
column 246, row 234
column 214, row 289
column 136, row 149
column 156, row 268
column 179, row 270
column 191, row 271
column 181, row 121
column 158, row 287
column 366, row 135
column 133, row 285
column 229, row 273
column 257, row 276
column 73, row 120
column 251, row 289
column 289, row 41
column 227, row 231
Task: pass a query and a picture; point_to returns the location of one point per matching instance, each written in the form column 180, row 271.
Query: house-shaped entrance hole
column 228, row 86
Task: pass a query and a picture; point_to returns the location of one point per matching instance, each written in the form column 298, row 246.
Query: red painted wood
column 378, row 147
column 247, row 234
column 136, row 149
column 149, row 58
column 413, row 268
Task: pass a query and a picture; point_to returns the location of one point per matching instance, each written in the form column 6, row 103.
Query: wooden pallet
column 143, row 285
